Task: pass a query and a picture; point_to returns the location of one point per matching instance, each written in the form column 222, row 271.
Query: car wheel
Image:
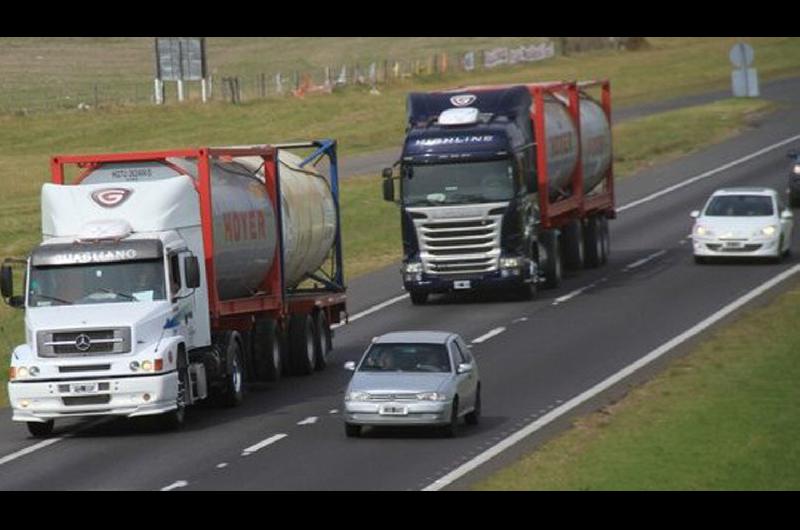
column 352, row 431
column 474, row 417
column 451, row 429
column 700, row 260
column 40, row 430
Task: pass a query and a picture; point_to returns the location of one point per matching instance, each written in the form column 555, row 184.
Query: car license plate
column 734, row 244
column 393, row 410
column 84, row 388
column 462, row 284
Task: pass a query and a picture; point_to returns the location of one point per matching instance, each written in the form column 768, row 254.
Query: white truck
column 167, row 277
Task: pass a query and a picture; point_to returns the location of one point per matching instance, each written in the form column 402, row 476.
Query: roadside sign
column 741, row 55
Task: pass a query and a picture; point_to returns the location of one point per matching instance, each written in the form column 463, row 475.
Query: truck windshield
column 460, row 183
column 129, row 281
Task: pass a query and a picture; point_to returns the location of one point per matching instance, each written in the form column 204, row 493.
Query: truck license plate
column 462, row 284
column 393, row 410
column 84, row 388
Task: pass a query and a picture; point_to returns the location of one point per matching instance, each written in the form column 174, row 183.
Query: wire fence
column 240, row 88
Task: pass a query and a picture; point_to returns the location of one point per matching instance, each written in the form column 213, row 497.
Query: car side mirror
column 787, row 214
column 695, row 214
column 464, row 368
column 388, row 187
column 192, row 269
column 387, row 173
column 350, row 366
column 6, row 281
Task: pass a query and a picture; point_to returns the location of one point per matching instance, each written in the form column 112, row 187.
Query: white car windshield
column 740, row 206
column 406, row 358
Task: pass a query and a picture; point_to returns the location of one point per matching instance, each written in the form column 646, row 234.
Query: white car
column 742, row 222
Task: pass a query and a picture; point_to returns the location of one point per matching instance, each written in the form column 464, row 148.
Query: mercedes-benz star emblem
column 83, row 342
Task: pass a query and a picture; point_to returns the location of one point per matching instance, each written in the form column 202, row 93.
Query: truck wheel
column 551, row 265
column 40, row 430
column 321, row 340
column 573, row 248
column 605, row 238
column 267, row 354
column 233, row 394
column 593, row 242
column 418, row 297
column 174, row 419
column 794, row 200
column 301, row 344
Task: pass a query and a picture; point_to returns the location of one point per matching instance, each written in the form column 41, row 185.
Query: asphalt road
column 552, row 349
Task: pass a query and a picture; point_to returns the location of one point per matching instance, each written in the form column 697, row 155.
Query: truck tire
column 40, row 430
column 232, row 391
column 551, row 262
column 605, row 238
column 301, row 344
column 593, row 242
column 418, row 297
column 267, row 350
column 322, row 340
column 572, row 245
column 794, row 200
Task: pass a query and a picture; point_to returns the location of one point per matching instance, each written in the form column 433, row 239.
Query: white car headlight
column 796, row 169
column 701, row 230
column 769, row 230
column 356, row 396
column 431, row 396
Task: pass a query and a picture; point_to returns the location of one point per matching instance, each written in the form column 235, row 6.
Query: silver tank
column 245, row 233
column 561, row 144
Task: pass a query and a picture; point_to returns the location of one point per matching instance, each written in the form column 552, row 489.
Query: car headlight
column 356, row 396
column 796, row 169
column 701, row 230
column 768, row 230
column 415, row 267
column 509, row 263
column 431, row 396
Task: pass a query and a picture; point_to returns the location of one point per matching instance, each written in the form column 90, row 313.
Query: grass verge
column 721, row 418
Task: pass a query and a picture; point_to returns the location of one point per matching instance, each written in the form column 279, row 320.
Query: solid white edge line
column 372, row 309
column 489, row 335
column 263, row 443
column 707, row 174
column 608, row 382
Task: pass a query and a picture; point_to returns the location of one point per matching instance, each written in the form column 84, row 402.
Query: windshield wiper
column 54, row 298
column 124, row 295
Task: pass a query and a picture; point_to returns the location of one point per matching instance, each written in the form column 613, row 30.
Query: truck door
column 183, row 301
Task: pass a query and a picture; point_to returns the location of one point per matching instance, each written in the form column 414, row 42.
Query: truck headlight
column 414, row 267
column 431, row 396
column 796, row 169
column 509, row 263
column 769, row 230
column 356, row 396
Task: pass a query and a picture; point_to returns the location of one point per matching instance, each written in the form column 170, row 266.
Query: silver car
column 413, row 378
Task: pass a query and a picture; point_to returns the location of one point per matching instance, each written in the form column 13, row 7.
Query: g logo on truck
column 462, row 100
column 83, row 342
column 111, row 197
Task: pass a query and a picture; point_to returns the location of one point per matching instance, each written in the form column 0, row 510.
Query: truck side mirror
column 192, row 269
column 6, row 281
column 388, row 188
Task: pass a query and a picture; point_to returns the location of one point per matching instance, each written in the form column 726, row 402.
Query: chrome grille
column 393, row 397
column 84, row 342
column 460, row 246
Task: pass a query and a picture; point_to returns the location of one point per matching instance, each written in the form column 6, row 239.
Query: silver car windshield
column 406, row 358
column 740, row 206
column 103, row 283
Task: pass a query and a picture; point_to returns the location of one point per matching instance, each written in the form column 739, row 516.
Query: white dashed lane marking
column 262, row 444
column 175, row 485
column 489, row 335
